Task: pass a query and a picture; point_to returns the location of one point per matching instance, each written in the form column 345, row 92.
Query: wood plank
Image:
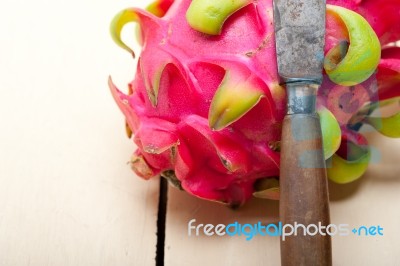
column 182, row 249
column 371, row 201
column 67, row 194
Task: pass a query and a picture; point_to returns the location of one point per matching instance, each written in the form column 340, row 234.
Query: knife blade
column 299, row 36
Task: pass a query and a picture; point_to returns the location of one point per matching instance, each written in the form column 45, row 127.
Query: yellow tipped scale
column 267, row 188
column 119, row 21
column 363, row 53
column 208, row 16
column 233, row 99
column 155, row 8
column 331, row 133
column 388, row 126
column 343, row 170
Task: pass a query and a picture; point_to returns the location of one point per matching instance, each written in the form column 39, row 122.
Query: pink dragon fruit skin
column 206, row 111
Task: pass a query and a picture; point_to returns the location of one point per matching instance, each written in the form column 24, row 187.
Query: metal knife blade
column 300, row 38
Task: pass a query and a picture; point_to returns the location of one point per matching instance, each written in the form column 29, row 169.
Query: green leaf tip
column 117, row 24
column 233, row 99
column 345, row 170
column 267, row 188
column 159, row 7
column 363, row 52
column 331, row 132
column 208, row 16
column 387, row 126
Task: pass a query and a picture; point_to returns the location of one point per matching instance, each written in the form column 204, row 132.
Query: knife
column 300, row 38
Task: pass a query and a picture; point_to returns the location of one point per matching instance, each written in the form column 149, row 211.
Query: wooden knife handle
column 304, row 191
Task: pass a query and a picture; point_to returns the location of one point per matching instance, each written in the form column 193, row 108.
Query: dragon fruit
column 205, row 108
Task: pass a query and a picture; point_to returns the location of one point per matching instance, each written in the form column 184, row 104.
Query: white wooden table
column 67, row 195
